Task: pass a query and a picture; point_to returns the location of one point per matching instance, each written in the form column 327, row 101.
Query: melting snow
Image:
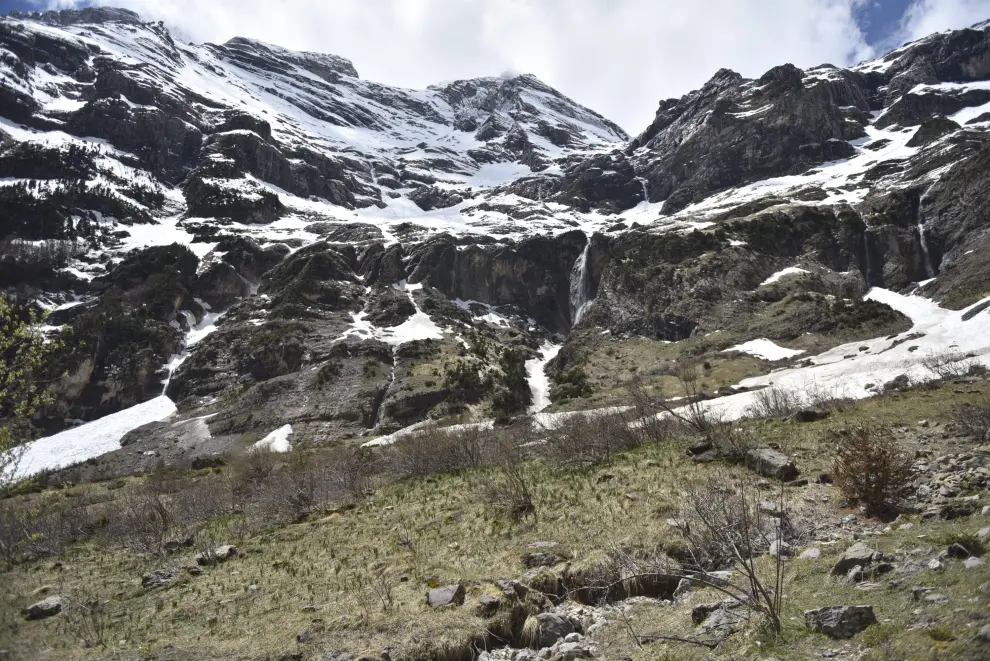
column 277, row 441
column 765, row 349
column 92, row 439
column 539, row 382
column 790, row 270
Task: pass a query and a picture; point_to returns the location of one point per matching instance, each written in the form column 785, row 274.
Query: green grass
column 437, row 530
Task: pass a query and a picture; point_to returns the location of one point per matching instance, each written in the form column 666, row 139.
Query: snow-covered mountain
column 261, row 238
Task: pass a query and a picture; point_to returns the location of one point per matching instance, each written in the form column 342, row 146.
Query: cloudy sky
column 619, row 57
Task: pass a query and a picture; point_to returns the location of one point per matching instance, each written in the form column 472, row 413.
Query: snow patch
column 539, row 382
column 277, row 441
column 92, row 439
column 765, row 349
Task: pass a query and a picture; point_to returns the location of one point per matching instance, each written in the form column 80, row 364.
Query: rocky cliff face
column 268, row 239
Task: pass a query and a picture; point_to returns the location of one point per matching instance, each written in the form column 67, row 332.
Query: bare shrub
column 824, row 398
column 506, row 484
column 731, row 440
column 86, row 618
column 870, row 467
column 973, row 420
column 726, row 524
column 774, row 402
column 653, row 422
column 433, row 450
column 140, row 520
column 39, row 528
column 589, row 440
column 947, row 364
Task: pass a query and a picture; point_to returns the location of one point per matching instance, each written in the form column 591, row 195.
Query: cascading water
column 646, row 190
column 580, row 284
column 923, row 240
column 866, row 251
column 195, row 333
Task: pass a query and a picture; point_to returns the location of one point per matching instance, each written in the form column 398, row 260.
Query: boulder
column 551, row 628
column 159, row 578
column 840, row 621
column 809, row 415
column 448, row 595
column 780, row 548
column 859, row 554
column 216, row 555
column 47, row 607
column 770, row 463
column 540, row 559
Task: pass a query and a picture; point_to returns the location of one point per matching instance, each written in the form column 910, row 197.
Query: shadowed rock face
column 372, row 257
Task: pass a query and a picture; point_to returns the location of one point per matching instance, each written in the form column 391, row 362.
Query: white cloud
column 924, row 17
column 617, row 57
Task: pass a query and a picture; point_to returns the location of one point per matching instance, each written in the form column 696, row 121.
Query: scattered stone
column 935, row 565
column 973, row 563
column 159, row 578
column 803, row 482
column 936, row 598
column 304, row 637
column 45, row 608
column 984, row 533
column 176, row 544
column 770, row 463
column 218, row 554
column 823, row 478
column 448, row 595
column 984, row 635
column 840, row 621
column 194, row 571
column 570, row 651
column 573, row 638
column 810, row 554
column 859, row 554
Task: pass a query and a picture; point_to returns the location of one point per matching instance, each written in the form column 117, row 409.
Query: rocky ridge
column 267, row 239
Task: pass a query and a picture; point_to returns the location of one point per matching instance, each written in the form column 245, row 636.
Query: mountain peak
column 266, row 55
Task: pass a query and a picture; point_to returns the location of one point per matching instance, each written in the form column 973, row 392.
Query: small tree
column 870, row 467
column 23, row 354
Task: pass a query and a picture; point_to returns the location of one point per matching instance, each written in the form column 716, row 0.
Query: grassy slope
column 436, row 530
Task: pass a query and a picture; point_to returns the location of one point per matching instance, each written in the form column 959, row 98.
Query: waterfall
column 580, row 285
column 929, row 269
column 866, row 251
column 646, row 189
column 380, row 408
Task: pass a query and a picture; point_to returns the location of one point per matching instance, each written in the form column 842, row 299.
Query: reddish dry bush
column 870, row 467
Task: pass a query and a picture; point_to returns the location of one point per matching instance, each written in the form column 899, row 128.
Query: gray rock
column 973, row 563
column 859, row 554
column 215, row 555
column 780, row 548
column 770, row 463
column 47, row 607
column 448, row 595
column 159, row 578
column 840, row 621
column 541, row 559
column 984, row 635
column 552, row 627
column 810, row 554
column 571, row 650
